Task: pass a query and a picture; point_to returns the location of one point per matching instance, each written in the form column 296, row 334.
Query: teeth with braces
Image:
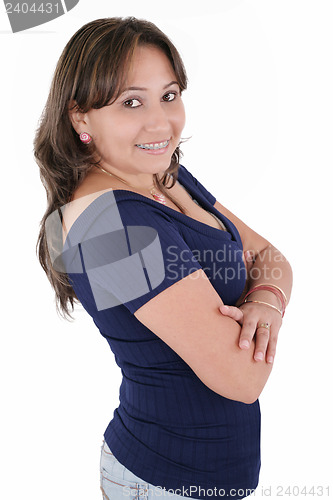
column 159, row 145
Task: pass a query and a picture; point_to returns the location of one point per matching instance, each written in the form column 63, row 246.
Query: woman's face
column 146, row 116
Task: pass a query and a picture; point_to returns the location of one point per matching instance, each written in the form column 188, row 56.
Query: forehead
column 149, row 63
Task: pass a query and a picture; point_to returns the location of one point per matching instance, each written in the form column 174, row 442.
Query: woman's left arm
column 260, row 316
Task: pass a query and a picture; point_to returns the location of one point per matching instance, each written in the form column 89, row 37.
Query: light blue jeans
column 118, row 483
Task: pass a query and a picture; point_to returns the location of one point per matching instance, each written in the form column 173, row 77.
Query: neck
column 140, row 181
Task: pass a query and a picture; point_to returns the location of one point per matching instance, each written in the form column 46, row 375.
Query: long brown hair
column 91, row 72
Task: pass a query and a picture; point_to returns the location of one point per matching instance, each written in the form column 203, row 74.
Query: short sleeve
column 130, row 250
column 194, row 181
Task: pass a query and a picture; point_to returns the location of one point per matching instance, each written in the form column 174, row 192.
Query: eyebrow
column 144, row 88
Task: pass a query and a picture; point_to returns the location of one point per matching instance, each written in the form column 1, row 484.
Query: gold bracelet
column 264, row 303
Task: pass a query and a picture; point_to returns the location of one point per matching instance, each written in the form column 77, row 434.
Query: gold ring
column 264, row 325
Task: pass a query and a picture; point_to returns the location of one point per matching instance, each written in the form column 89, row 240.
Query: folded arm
column 268, row 267
column 186, row 317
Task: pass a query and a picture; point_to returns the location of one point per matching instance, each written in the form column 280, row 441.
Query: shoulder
column 72, row 210
column 195, row 185
column 184, row 173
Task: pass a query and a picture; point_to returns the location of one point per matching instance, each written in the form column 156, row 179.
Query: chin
column 161, row 168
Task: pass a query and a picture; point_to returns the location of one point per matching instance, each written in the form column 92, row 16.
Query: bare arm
column 269, row 267
column 186, row 317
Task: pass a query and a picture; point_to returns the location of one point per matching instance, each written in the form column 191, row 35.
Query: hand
column 250, row 317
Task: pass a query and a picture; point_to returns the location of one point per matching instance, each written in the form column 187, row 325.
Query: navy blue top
column 169, row 428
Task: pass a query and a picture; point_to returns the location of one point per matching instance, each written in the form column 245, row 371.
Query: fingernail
column 244, row 344
column 249, row 256
column 270, row 359
column 259, row 356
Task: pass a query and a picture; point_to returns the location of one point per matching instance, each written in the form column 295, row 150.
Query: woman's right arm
column 186, row 317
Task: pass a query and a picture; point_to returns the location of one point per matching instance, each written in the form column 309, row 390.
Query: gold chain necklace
column 157, row 196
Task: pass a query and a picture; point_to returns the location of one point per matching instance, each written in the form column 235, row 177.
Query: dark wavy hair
column 91, row 72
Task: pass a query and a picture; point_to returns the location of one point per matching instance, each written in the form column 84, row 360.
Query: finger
column 271, row 348
column 262, row 339
column 247, row 333
column 249, row 259
column 232, row 312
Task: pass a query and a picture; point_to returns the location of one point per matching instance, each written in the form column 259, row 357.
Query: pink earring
column 85, row 138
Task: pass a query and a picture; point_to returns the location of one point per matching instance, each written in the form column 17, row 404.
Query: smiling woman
column 137, row 133
column 154, row 258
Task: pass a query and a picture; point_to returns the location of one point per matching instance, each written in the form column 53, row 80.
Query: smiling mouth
column 154, row 145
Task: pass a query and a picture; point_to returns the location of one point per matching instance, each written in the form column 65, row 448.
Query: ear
column 77, row 118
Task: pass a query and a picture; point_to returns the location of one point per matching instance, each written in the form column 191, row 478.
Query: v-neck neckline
column 194, row 223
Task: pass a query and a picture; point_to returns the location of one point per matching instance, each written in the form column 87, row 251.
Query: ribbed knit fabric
column 169, row 428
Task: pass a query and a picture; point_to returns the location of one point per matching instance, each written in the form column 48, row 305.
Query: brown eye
column 129, row 105
column 174, row 94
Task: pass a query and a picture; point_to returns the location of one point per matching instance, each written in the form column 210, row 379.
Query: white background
column 260, row 113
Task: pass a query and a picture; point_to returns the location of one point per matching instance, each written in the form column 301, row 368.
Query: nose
column 157, row 119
